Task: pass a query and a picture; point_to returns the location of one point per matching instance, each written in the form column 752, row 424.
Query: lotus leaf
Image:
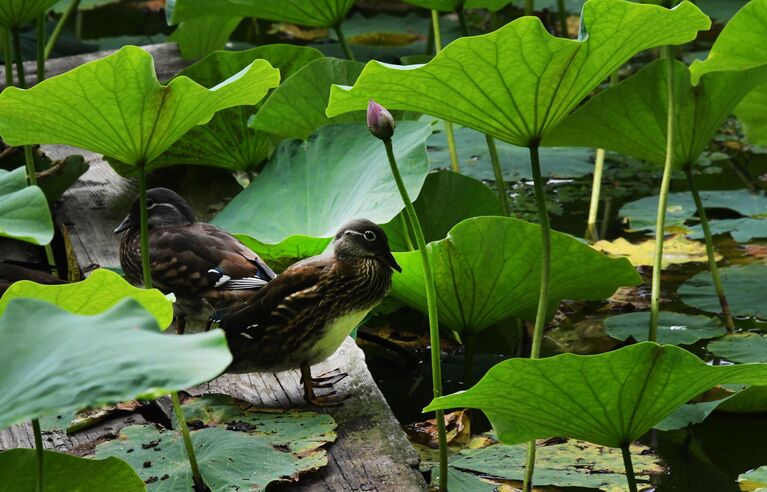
column 198, row 38
column 631, row 117
column 446, row 199
column 132, row 119
column 226, row 141
column 673, row 328
column 745, row 287
column 316, row 13
column 488, row 269
column 314, row 187
column 676, row 249
column 96, row 294
column 610, row 399
column 24, row 213
column 521, row 96
column 741, row 46
column 16, row 13
column 66, row 473
column 740, row 347
column 754, row 480
column 43, row 348
column 297, row 108
column 453, row 5
column 742, row 230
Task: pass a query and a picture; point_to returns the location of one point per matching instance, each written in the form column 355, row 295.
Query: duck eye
column 370, row 236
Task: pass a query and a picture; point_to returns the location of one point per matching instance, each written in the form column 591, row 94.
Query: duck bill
column 388, row 258
column 126, row 224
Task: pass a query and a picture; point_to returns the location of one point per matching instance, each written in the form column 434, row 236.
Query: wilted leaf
column 676, row 249
column 754, row 480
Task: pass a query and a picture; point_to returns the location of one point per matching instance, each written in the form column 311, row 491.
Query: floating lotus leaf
column 745, row 286
column 521, row 96
column 316, row 13
column 116, row 106
column 487, row 270
column 610, row 399
column 114, row 356
column 66, row 473
column 673, row 328
column 453, row 5
column 742, row 230
column 24, row 213
column 740, row 347
column 97, row 293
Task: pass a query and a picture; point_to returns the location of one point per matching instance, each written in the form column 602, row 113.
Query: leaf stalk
column 71, row 9
column 39, row 454
column 40, row 48
column 449, row 132
column 344, row 43
column 431, row 301
column 626, row 451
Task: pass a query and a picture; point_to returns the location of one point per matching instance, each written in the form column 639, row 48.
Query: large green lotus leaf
column 741, row 46
column 564, row 464
column 313, row 187
column 198, row 38
column 521, row 96
column 15, row 13
column 446, row 199
column 94, row 295
column 474, row 157
column 610, row 399
column 116, row 106
column 740, row 347
column 55, row 360
column 317, row 13
column 453, row 5
column 297, row 108
column 24, row 212
column 630, row 117
column 262, row 446
column 673, row 328
column 641, row 213
column 226, row 141
column 487, row 269
column 66, row 473
column 281, row 255
column 745, row 287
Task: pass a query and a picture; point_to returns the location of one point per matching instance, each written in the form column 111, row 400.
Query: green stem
column 729, row 322
column 17, row 57
column 199, row 485
column 60, row 27
column 39, row 453
column 431, row 301
column 406, row 233
column 41, row 48
column 596, row 188
column 469, row 348
column 8, row 55
column 660, row 222
column 529, row 7
column 503, row 198
column 562, row 15
column 629, row 468
column 543, row 296
column 144, row 230
column 344, row 44
column 462, row 21
column 449, row 133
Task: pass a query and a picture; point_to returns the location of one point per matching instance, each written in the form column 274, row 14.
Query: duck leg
column 180, row 324
column 326, row 380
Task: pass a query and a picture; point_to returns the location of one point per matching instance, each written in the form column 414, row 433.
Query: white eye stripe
column 369, row 235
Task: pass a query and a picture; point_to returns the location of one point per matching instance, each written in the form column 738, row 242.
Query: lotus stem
column 8, row 55
column 17, row 57
column 529, row 7
column 431, row 301
column 469, row 347
column 629, row 468
column 39, row 454
column 728, row 321
column 503, row 198
column 144, row 227
column 199, row 485
column 660, row 222
column 543, row 296
column 40, row 48
column 344, row 43
column 406, row 232
column 60, row 27
column 454, row 165
column 562, row 16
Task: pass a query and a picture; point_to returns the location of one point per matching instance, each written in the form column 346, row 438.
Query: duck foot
column 326, row 380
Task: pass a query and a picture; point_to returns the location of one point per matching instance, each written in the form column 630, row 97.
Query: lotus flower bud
column 380, row 121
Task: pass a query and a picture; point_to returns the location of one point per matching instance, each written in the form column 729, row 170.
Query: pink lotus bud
column 380, row 121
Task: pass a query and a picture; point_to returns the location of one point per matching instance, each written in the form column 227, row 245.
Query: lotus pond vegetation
column 450, row 245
